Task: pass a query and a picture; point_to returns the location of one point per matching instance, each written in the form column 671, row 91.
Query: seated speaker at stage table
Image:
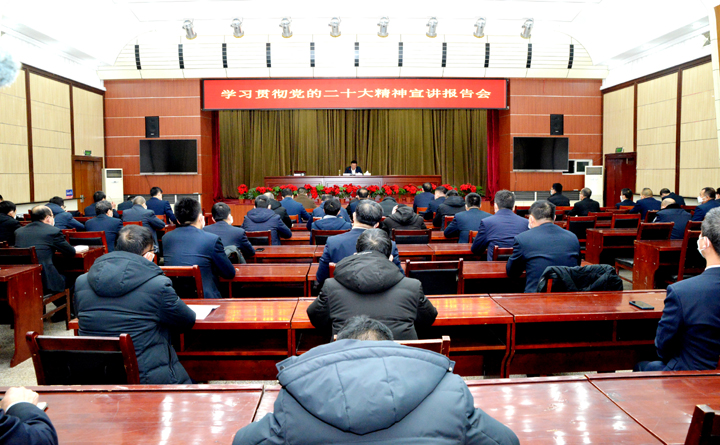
column 452, row 205
column 707, row 202
column 671, row 212
column 557, row 197
column 435, row 203
column 190, row 245
column 626, row 196
column 229, row 235
column 468, row 220
column 97, row 197
column 331, row 220
column 545, row 244
column 292, row 207
column 160, row 207
column 354, row 169
column 319, row 212
column 139, row 212
column 104, row 222
column 63, row 220
column 501, row 228
column 666, row 193
column 424, row 198
column 585, row 205
column 262, row 218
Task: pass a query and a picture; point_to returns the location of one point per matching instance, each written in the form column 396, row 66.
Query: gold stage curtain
column 259, row 143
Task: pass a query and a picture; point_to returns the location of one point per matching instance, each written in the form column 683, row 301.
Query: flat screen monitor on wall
column 540, row 154
column 168, row 157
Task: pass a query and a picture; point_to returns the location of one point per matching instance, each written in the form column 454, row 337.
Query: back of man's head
column 134, row 239
column 664, row 191
column 102, row 207
column 505, row 199
column 557, row 187
column 542, row 210
column 368, row 212
column 98, row 196
column 363, row 193
column 427, row 187
column 138, row 201
column 363, row 327
column 262, row 202
column 57, row 201
column 286, row 192
column 709, row 192
column 7, row 207
column 220, row 211
column 155, row 190
column 331, row 207
column 711, row 228
column 270, row 195
column 627, row 193
column 452, row 193
column 647, row 193
column 302, row 191
column 325, row 197
column 374, row 240
column 440, row 190
column 472, row 200
column 187, row 210
column 586, row 192
column 39, row 213
column 667, row 202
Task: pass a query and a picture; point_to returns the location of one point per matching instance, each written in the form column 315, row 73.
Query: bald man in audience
column 671, row 212
column 140, row 213
column 647, row 203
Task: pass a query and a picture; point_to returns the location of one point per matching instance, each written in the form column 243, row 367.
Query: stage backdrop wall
column 255, row 144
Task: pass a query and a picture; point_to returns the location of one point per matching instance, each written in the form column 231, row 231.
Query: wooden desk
column 604, row 245
column 415, row 252
column 651, row 256
column 573, row 332
column 80, row 263
column 285, row 254
column 491, row 277
column 267, row 403
column 563, row 410
column 454, row 251
column 438, row 236
column 298, row 239
column 152, row 414
column 22, row 289
column 221, row 348
column 270, row 274
column 302, row 227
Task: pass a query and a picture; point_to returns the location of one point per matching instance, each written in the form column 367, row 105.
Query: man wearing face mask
column 126, row 293
column 545, row 244
column 688, row 335
column 706, row 202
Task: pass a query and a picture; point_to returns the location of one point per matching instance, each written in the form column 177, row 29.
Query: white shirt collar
column 712, row 267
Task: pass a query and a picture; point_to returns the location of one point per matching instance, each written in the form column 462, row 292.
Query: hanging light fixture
column 236, row 25
column 527, row 28
column 285, row 25
column 432, row 27
column 189, row 32
column 383, row 24
column 480, row 28
column 335, row 25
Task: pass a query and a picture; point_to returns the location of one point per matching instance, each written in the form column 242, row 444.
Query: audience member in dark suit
column 304, row 200
column 352, row 205
column 229, row 235
column 276, row 207
column 433, row 205
column 424, row 198
column 688, row 335
column 140, row 212
column 544, row 245
column 160, row 207
column 63, row 219
column 97, row 197
column 367, row 216
column 292, row 207
column 557, row 197
column 319, row 212
column 8, row 223
column 104, row 222
column 262, row 218
column 671, row 212
column 646, row 203
column 402, row 218
column 452, row 205
column 190, row 245
column 666, row 193
column 125, row 205
column 331, row 220
column 501, row 228
column 22, row 422
column 354, row 169
column 468, row 220
column 626, row 199
column 706, row 202
column 47, row 239
column 388, row 203
column 585, row 205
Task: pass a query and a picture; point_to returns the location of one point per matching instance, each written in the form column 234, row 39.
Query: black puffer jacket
column 403, row 218
column 597, row 277
column 451, row 206
column 369, row 284
column 126, row 294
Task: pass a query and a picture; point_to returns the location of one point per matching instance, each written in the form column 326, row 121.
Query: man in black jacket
column 453, row 205
column 388, row 203
column 433, row 205
column 22, row 422
column 126, row 293
column 402, row 218
column 556, row 196
column 262, row 218
column 585, row 205
column 97, row 197
column 671, row 212
column 666, row 193
column 368, row 283
column 8, row 223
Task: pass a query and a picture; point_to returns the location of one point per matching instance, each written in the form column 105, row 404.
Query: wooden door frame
column 616, row 156
column 99, row 159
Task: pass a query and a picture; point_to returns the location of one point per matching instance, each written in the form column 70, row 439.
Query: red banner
column 264, row 94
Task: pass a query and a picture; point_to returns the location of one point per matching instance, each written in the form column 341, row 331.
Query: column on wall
column 15, row 168
column 618, row 120
column 88, row 123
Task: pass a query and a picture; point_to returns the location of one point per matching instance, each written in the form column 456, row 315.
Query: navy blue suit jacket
column 700, row 210
column 433, row 207
column 358, row 170
column 104, row 223
column 539, row 248
column 232, row 236
column 124, row 205
column 464, row 222
column 643, row 205
column 498, row 230
column 161, row 208
column 319, row 212
column 688, row 335
column 336, row 223
column 342, row 246
column 25, row 423
column 679, row 200
column 90, row 211
column 678, row 216
column 47, row 240
column 147, row 217
column 295, row 208
column 190, row 246
column 625, row 203
column 63, row 219
column 422, row 200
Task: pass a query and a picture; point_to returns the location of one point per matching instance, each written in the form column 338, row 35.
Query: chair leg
column 67, row 309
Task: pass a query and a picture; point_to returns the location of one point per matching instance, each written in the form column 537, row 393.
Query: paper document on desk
column 202, row 310
column 79, row 249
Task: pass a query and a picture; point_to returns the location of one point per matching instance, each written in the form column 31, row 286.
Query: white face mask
column 700, row 199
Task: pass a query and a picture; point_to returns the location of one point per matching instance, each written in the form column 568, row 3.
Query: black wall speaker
column 556, row 124
column 152, row 126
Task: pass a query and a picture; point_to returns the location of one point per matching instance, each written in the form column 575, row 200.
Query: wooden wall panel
column 177, row 103
column 88, row 122
column 52, row 139
column 618, row 120
column 15, row 168
column 699, row 155
column 531, row 103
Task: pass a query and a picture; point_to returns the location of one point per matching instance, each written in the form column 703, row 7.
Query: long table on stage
column 380, row 180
